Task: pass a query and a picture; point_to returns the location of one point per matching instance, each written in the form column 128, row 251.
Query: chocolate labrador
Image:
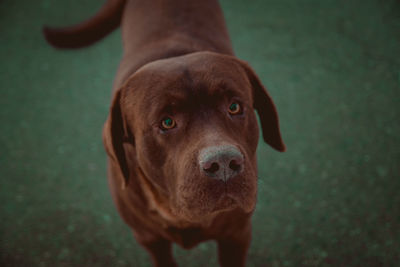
column 182, row 133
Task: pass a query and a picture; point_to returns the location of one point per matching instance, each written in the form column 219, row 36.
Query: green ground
column 333, row 69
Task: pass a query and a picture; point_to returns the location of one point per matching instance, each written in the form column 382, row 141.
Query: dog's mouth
column 200, row 195
column 225, row 203
column 217, row 196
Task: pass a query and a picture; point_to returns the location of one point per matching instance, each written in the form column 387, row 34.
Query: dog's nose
column 221, row 162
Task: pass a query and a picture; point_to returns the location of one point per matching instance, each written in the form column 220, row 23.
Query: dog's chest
column 187, row 237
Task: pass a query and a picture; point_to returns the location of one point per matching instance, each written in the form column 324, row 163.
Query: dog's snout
column 221, row 162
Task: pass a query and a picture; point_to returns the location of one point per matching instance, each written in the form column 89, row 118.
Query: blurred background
column 333, row 199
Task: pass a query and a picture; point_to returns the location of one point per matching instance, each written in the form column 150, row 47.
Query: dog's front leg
column 161, row 252
column 232, row 252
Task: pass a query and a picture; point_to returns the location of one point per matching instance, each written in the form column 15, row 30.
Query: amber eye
column 168, row 123
column 235, row 108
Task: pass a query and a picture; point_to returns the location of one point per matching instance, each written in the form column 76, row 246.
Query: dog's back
column 159, row 29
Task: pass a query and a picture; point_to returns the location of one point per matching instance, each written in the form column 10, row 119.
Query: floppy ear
column 266, row 111
column 116, row 137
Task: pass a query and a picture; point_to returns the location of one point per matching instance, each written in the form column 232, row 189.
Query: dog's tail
column 106, row 20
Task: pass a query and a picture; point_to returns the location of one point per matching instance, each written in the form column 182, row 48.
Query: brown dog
column 182, row 133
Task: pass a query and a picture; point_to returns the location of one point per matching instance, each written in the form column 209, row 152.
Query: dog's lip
column 225, row 202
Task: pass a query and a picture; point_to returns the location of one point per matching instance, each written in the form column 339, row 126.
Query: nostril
column 213, row 168
column 234, row 165
column 221, row 162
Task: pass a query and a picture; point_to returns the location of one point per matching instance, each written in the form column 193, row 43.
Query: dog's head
column 187, row 124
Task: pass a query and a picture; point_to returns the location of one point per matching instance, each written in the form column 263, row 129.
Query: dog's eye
column 167, row 123
column 235, row 109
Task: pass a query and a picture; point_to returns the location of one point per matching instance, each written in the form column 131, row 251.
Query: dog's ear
column 117, row 136
column 265, row 107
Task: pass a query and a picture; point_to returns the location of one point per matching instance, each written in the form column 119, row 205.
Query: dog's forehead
column 201, row 62
column 205, row 71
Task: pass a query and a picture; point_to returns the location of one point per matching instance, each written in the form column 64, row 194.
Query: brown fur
column 178, row 61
